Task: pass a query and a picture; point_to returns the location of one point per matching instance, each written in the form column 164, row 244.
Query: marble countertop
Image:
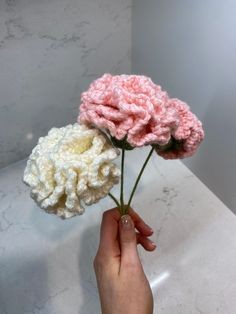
column 46, row 264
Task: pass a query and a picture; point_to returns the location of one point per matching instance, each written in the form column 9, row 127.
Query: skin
column 122, row 284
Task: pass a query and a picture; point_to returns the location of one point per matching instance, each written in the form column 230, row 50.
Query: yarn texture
column 130, row 106
column 138, row 112
column 70, row 165
column 187, row 137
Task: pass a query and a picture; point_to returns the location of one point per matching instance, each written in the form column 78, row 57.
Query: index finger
column 140, row 225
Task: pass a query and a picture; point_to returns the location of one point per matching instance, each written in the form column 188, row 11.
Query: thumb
column 128, row 241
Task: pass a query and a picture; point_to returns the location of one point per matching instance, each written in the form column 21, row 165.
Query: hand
column 122, row 284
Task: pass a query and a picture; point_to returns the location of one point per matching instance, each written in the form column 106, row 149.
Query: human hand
column 122, row 284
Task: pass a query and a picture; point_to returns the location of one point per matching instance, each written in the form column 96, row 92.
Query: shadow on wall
column 213, row 163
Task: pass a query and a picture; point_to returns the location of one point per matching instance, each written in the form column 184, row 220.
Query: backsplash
column 50, row 51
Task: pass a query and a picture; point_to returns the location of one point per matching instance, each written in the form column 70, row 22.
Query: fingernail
column 153, row 243
column 150, row 228
column 126, row 222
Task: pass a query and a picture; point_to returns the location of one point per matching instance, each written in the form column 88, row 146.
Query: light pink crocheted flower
column 187, row 137
column 130, row 106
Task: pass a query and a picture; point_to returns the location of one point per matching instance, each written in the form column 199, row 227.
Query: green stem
column 114, row 199
column 122, row 182
column 139, row 176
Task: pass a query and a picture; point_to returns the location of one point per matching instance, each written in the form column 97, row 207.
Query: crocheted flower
column 69, row 165
column 130, row 107
column 187, row 137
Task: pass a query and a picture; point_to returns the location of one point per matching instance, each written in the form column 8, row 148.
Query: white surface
column 189, row 47
column 46, row 263
column 50, row 51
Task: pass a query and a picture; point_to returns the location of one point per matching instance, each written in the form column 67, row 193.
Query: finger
column 140, row 225
column 146, row 243
column 108, row 245
column 128, row 242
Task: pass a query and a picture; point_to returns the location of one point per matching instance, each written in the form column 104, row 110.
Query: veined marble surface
column 50, row 51
column 46, row 264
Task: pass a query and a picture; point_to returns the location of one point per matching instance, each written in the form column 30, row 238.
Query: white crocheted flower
column 69, row 165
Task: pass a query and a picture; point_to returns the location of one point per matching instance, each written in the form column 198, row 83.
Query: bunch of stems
column 122, row 205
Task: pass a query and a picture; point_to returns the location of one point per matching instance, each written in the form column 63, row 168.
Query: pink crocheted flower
column 131, row 107
column 187, row 137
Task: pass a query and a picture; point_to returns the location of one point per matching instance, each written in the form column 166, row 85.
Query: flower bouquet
column 74, row 164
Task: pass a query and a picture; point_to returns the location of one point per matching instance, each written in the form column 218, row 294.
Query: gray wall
column 50, row 51
column 189, row 48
